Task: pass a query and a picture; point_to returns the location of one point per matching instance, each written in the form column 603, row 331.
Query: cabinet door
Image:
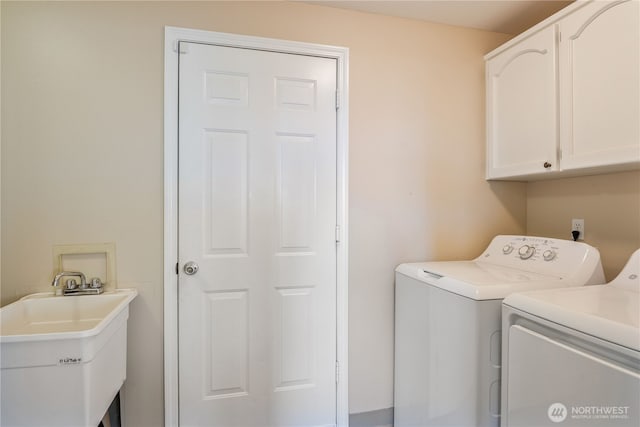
column 600, row 85
column 521, row 108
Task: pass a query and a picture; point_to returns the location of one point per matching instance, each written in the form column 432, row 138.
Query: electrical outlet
column 578, row 225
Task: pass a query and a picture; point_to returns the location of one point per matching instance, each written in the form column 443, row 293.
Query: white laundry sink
column 62, row 358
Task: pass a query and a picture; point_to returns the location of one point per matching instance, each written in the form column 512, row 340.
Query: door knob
column 190, row 268
column 546, row 165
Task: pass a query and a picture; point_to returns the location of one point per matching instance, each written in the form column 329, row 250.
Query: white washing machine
column 572, row 356
column 448, row 325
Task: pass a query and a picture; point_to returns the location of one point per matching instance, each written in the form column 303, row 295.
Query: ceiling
column 502, row 16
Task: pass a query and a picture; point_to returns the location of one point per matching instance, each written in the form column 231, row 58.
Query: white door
column 257, row 214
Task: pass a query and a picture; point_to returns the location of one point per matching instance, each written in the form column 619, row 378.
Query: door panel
column 257, row 213
column 225, row 192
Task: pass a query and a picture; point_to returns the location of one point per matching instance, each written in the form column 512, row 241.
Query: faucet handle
column 71, row 284
column 95, row 283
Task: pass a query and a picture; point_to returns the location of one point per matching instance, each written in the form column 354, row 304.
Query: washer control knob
column 507, row 249
column 526, row 251
column 548, row 255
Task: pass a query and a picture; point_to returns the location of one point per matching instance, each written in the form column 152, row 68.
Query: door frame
column 172, row 36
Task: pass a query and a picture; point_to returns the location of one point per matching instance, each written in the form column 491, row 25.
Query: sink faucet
column 56, row 280
column 94, row 287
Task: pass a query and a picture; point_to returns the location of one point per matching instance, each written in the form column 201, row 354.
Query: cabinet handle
column 547, row 165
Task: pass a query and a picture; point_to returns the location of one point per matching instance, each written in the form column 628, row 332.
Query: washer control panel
column 539, row 254
column 530, row 248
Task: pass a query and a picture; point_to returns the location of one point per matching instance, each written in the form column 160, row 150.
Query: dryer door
column 553, row 381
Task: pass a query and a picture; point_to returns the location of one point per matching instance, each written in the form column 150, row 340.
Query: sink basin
column 43, row 316
column 62, row 358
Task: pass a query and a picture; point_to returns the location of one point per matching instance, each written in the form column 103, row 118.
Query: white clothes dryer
column 571, row 357
column 448, row 325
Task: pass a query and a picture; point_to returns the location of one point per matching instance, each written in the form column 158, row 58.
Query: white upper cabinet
column 521, row 94
column 563, row 99
column 600, row 85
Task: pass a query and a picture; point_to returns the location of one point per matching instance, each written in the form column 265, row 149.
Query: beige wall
column 82, row 109
column 609, row 205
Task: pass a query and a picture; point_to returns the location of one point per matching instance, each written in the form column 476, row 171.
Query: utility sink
column 62, row 358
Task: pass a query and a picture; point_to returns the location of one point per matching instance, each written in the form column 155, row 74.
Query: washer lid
column 479, row 280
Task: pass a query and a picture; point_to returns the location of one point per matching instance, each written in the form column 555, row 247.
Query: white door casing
column 290, row 293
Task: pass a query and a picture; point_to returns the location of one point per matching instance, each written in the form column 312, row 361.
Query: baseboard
column 377, row 418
